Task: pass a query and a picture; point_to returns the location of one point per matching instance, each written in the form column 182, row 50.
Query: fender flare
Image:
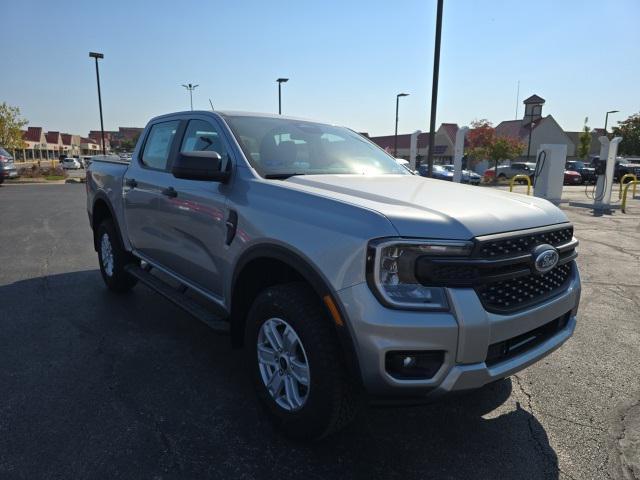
column 319, row 284
column 101, row 196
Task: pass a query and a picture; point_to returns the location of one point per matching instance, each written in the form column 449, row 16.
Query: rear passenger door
column 147, row 194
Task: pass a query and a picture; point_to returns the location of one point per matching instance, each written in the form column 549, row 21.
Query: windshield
column 282, row 147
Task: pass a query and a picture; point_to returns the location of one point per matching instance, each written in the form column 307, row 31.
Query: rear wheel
column 113, row 258
column 296, row 365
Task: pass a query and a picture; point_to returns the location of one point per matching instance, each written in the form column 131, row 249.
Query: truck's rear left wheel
column 296, row 364
column 113, row 258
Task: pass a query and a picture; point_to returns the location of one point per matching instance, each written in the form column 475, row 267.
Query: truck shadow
column 130, row 383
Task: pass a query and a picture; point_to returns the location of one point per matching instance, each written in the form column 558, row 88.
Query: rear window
column 4, row 153
column 158, row 144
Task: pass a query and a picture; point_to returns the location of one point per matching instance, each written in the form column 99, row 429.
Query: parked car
column 572, row 178
column 439, row 172
column 467, row 176
column 507, row 172
column 627, row 165
column 7, row 166
column 405, row 163
column 71, row 163
column 587, row 172
column 622, row 167
column 341, row 274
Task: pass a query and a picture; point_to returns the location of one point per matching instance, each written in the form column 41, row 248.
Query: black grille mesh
column 523, row 243
column 509, row 295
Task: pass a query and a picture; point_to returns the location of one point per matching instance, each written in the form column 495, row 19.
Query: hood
column 428, row 208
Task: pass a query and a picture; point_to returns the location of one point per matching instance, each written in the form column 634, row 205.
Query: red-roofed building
column 445, row 139
column 543, row 130
column 88, row 146
column 115, row 138
column 41, row 145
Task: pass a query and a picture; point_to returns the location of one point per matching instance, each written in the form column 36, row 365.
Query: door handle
column 131, row 182
column 169, row 192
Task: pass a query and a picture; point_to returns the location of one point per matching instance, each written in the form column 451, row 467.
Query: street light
column 434, row 88
column 97, row 55
column 395, row 137
column 280, row 82
column 191, row 88
column 606, row 119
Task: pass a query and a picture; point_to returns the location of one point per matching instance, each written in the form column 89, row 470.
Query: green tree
column 585, row 142
column 483, row 143
column 10, row 124
column 629, row 130
column 129, row 145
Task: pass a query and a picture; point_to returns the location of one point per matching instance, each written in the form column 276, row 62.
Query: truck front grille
column 518, row 244
column 518, row 293
column 502, row 269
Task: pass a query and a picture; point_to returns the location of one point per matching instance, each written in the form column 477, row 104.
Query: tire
column 113, row 273
column 330, row 400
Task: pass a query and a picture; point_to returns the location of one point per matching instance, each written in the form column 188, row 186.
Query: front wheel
column 113, row 258
column 296, row 365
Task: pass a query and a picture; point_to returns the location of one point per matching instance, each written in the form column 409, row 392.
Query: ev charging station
column 458, row 152
column 549, row 173
column 413, row 149
column 605, row 172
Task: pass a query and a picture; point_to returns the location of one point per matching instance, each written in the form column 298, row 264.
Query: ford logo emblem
column 545, row 257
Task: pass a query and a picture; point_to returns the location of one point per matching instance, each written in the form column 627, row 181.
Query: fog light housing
column 413, row 365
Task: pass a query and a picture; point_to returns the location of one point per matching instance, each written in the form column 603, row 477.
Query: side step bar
column 178, row 297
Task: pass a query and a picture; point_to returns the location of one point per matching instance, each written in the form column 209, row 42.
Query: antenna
column 211, row 103
column 517, row 99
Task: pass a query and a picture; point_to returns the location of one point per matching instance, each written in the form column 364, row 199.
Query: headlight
column 391, row 266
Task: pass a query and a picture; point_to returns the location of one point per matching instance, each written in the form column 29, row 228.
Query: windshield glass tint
column 283, row 146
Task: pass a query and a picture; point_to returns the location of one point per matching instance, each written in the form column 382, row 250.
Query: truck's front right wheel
column 296, row 364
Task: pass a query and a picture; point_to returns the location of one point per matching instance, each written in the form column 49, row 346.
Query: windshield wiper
column 282, row 176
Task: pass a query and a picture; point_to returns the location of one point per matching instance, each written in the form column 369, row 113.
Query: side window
column 158, row 144
column 201, row 136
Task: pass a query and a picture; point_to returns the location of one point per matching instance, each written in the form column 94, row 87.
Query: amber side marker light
column 335, row 314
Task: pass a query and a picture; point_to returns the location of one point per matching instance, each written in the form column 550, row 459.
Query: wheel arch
column 101, row 210
column 286, row 265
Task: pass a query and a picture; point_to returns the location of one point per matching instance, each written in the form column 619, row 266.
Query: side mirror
column 203, row 165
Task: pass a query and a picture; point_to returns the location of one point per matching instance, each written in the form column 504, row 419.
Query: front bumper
column 464, row 334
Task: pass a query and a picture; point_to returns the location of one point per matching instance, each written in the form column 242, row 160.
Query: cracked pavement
column 94, row 385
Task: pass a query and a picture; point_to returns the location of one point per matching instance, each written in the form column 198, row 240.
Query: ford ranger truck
column 344, row 276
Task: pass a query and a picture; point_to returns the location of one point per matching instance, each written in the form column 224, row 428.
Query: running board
column 178, row 298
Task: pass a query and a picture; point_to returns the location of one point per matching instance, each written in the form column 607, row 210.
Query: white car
column 405, row 164
column 71, row 163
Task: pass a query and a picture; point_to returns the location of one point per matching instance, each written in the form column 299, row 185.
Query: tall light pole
column 434, row 88
column 191, row 88
column 97, row 56
column 395, row 137
column 280, row 82
column 606, row 119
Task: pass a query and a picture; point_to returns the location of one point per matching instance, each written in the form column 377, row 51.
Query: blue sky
column 346, row 59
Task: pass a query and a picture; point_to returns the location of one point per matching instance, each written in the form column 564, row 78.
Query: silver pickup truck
column 342, row 275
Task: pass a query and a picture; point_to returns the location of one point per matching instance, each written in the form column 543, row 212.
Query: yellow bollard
column 626, row 190
column 518, row 177
column 624, row 177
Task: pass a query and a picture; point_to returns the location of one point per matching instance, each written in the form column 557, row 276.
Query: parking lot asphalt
column 97, row 385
